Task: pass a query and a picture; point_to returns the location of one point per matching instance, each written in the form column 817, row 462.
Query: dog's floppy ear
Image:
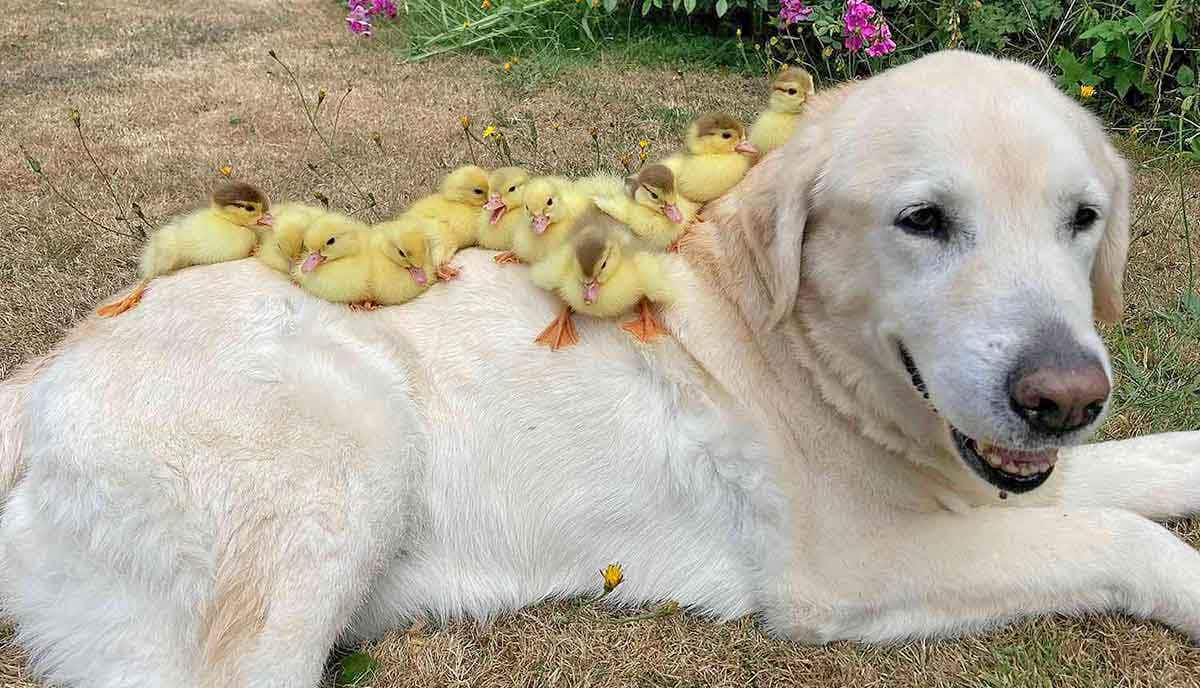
column 1109, row 269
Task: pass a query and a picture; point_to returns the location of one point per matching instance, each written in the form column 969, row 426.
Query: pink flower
column 358, row 21
column 864, row 27
column 792, row 11
column 883, row 42
column 387, row 7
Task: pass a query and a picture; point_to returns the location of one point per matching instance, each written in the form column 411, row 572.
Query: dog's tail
column 12, row 432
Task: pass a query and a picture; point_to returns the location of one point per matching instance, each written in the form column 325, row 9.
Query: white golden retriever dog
column 864, row 426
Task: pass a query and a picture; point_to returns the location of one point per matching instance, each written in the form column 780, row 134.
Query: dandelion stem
column 337, row 114
column 104, row 176
column 71, row 204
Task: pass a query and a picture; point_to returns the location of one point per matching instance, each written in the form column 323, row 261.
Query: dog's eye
column 1084, row 218
column 923, row 220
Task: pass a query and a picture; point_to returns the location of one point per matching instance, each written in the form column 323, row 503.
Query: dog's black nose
column 1057, row 396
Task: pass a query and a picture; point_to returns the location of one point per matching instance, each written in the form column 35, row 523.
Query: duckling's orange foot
column 364, row 306
column 119, row 307
column 645, row 327
column 447, row 272
column 679, row 242
column 507, row 258
column 560, row 333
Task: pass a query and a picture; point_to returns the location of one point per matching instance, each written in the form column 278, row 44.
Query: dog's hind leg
column 1157, row 476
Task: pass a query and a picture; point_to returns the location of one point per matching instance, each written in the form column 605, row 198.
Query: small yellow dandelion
column 465, row 121
column 642, row 156
column 827, row 52
column 507, row 66
column 467, row 24
column 626, row 158
column 644, row 144
column 486, row 5
column 73, row 115
column 489, row 131
column 739, row 33
column 1087, row 90
column 225, row 170
column 321, row 95
column 613, row 576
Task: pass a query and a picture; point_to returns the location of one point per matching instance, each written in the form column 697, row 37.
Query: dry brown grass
column 158, row 85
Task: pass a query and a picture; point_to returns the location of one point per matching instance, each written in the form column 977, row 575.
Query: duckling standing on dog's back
column 402, row 258
column 602, row 271
column 551, row 206
column 647, row 203
column 716, row 157
column 224, row 231
column 464, row 191
column 502, row 212
column 789, row 91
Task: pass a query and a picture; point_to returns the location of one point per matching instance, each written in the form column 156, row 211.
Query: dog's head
column 961, row 222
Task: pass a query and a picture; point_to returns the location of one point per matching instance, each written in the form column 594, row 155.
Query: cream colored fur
column 215, row 487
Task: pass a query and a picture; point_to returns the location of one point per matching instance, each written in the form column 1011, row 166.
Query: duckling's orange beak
column 591, row 291
column 496, row 205
column 265, row 220
column 311, row 263
column 746, row 147
column 672, row 212
column 540, row 223
column 418, row 276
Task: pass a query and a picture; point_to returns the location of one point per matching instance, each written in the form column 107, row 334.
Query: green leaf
column 689, row 5
column 722, row 7
column 1185, row 76
column 1191, row 303
column 1123, row 82
column 356, row 669
column 610, row 5
column 1099, row 51
column 587, row 29
column 646, row 5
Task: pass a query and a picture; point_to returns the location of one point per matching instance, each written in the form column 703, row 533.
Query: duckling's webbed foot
column 127, row 303
column 507, row 258
column 447, row 272
column 560, row 333
column 361, row 306
column 645, row 327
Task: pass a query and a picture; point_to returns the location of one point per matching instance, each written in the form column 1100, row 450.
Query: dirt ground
column 171, row 92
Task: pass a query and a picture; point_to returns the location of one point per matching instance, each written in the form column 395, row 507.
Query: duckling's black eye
column 549, row 201
column 653, row 195
column 479, row 191
column 726, row 135
column 331, row 241
column 402, row 253
column 512, row 189
column 1084, row 219
column 923, row 220
column 604, row 264
column 791, row 91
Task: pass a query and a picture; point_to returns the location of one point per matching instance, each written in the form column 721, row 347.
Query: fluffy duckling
column 402, row 259
column 716, row 158
column 463, row 192
column 603, row 272
column 789, row 91
column 551, row 206
column 337, row 261
column 281, row 248
column 224, row 231
column 648, row 204
column 497, row 221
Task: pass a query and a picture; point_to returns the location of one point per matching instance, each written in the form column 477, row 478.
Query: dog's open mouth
column 1011, row 470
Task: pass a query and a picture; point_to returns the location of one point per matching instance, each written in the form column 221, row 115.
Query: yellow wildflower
column 827, row 52
column 73, row 115
column 739, row 33
column 644, row 144
column 613, row 576
column 465, row 122
column 642, row 156
column 489, row 131
column 1087, row 90
column 487, row 5
column 507, row 66
column 225, row 170
column 467, row 24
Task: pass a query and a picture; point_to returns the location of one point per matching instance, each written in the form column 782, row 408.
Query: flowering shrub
column 363, row 11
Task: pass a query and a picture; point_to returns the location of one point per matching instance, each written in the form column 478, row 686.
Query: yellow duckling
column 603, row 272
column 497, row 221
column 280, row 249
column 224, row 231
column 648, row 204
column 402, row 259
column 789, row 91
column 551, row 206
column 464, row 191
column 716, row 158
column 337, row 261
